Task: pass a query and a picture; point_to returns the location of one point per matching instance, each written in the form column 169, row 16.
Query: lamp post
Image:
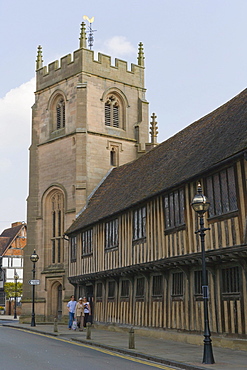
column 34, row 258
column 200, row 205
column 16, row 277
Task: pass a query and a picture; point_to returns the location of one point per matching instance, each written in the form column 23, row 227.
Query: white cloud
column 15, row 117
column 15, row 124
column 5, row 164
column 120, row 46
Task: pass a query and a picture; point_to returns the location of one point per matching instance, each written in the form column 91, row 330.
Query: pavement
column 175, row 354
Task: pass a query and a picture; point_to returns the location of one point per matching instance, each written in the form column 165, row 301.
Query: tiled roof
column 205, row 143
column 7, row 237
column 4, row 242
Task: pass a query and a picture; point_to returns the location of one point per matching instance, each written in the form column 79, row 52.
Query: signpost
column 34, row 282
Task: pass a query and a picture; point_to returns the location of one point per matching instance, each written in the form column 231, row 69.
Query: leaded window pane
column 177, row 284
column 174, row 209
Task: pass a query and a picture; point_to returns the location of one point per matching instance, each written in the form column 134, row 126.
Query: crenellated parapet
column 83, row 61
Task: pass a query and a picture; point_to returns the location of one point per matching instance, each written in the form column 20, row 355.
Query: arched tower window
column 57, row 113
column 60, row 112
column 113, row 111
column 54, row 227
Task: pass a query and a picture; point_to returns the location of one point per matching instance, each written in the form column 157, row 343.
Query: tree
column 9, row 289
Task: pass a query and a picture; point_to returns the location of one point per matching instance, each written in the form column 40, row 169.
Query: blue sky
column 195, row 57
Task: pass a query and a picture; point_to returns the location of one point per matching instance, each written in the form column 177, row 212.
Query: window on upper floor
column 73, row 248
column 221, row 192
column 139, row 223
column 114, row 111
column 87, row 242
column 114, row 148
column 113, row 157
column 60, row 113
column 111, row 234
column 57, row 114
column 174, row 209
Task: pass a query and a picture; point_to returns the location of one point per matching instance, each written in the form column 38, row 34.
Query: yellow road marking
column 159, row 366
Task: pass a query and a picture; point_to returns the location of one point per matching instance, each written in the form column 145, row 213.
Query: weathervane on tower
column 90, row 32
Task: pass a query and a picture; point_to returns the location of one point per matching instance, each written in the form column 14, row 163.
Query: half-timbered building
column 134, row 250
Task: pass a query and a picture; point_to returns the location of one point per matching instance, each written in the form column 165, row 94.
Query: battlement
column 83, row 61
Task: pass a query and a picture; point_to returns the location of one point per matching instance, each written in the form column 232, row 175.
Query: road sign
column 34, row 282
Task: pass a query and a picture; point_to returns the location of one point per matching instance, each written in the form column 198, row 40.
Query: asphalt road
column 23, row 350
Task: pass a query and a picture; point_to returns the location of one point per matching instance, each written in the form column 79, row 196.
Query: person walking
column 71, row 308
column 79, row 313
column 87, row 310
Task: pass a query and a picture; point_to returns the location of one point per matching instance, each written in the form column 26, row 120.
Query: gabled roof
column 4, row 242
column 7, row 237
column 192, row 151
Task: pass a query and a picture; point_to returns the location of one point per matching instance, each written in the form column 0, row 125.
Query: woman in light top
column 79, row 313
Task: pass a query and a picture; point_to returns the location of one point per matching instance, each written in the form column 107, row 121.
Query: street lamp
column 34, row 258
column 16, row 277
column 200, row 204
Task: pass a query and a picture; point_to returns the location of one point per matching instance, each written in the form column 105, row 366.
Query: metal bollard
column 55, row 325
column 88, row 325
column 131, row 339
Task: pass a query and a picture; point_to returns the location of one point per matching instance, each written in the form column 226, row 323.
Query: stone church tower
column 88, row 117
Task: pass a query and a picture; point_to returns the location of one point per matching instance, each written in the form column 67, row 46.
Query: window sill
column 157, row 299
column 198, row 297
column 114, row 128
column 177, row 297
column 111, row 249
column 224, row 216
column 175, row 229
column 230, row 296
column 85, row 255
column 57, row 133
column 139, row 241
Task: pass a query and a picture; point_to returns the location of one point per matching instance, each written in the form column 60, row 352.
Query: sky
column 195, row 59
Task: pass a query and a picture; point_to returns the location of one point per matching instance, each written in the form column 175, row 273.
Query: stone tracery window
column 57, row 230
column 57, row 108
column 60, row 113
column 113, row 111
column 54, row 227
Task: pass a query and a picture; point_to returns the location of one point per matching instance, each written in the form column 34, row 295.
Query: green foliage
column 1, row 308
column 9, row 289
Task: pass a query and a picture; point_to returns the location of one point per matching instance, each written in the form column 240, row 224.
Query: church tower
column 88, row 117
